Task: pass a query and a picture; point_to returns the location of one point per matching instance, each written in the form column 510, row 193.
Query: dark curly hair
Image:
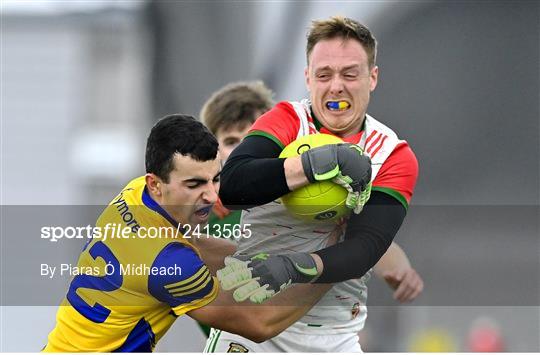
column 180, row 134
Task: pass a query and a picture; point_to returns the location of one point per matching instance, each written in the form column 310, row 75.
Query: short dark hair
column 235, row 104
column 342, row 27
column 180, row 134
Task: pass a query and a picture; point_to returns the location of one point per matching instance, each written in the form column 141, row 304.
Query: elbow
column 265, row 332
column 227, row 186
column 233, row 199
column 225, row 195
column 228, row 198
column 259, row 334
column 229, row 194
column 257, row 330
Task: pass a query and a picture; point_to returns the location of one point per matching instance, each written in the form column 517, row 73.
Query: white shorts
column 224, row 342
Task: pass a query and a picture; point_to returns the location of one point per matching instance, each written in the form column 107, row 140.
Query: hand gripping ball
column 319, row 201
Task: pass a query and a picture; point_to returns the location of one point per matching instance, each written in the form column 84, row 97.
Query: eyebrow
column 201, row 180
column 353, row 66
column 327, row 67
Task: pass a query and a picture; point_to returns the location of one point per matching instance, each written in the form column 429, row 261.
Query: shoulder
column 280, row 124
column 182, row 278
column 400, row 152
column 377, row 134
column 398, row 173
column 126, row 207
column 281, row 112
column 131, row 193
column 402, row 157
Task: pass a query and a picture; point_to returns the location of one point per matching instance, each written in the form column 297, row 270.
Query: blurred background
column 83, row 81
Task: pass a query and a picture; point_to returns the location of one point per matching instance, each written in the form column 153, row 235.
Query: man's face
column 229, row 138
column 338, row 73
column 191, row 191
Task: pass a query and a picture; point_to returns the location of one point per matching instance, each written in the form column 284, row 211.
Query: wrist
column 321, row 163
column 306, row 166
column 302, row 267
column 294, row 173
column 319, row 264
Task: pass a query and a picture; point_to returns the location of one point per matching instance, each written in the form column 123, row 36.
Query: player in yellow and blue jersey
column 140, row 271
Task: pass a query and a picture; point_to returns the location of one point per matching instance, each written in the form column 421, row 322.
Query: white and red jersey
column 394, row 165
column 394, row 171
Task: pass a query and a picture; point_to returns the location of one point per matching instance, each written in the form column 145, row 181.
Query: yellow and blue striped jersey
column 131, row 288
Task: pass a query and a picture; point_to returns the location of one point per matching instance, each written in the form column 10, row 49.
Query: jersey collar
column 154, row 206
column 354, row 138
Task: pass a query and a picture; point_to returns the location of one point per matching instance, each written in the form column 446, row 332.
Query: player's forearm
column 367, row 238
column 213, row 251
column 263, row 321
column 394, row 259
column 253, row 174
column 288, row 307
column 294, row 173
column 351, row 259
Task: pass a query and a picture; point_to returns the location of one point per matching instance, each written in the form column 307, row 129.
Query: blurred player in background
column 131, row 289
column 229, row 114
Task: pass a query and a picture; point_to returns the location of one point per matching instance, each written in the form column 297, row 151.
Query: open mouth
column 340, row 105
column 203, row 212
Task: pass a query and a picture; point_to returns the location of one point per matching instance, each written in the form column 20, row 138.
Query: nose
column 210, row 195
column 336, row 85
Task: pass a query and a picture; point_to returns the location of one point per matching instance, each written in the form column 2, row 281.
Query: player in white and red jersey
column 340, row 76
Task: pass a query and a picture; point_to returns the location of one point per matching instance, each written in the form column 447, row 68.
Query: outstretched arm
column 261, row 322
column 195, row 292
column 264, row 321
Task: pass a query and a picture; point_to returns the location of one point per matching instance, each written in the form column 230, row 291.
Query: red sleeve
column 280, row 124
column 398, row 174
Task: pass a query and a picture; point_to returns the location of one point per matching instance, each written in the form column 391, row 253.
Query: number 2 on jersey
column 109, row 282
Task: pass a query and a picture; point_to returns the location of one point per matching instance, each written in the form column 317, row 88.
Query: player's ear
column 373, row 77
column 306, row 76
column 153, row 184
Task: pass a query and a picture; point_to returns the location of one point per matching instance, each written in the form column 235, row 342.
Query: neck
column 167, row 209
column 349, row 131
column 155, row 197
column 352, row 130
